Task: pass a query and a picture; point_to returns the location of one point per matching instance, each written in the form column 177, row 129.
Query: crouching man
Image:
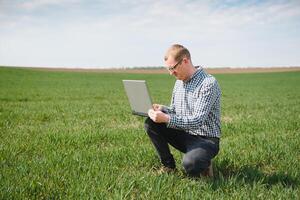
column 192, row 122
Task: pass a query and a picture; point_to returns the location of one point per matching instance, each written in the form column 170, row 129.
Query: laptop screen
column 138, row 96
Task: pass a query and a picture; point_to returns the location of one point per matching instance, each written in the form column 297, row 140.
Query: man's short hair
column 178, row 52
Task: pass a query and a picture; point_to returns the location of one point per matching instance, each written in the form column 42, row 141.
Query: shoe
column 208, row 172
column 166, row 170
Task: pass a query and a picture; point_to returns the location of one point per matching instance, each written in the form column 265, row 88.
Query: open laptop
column 138, row 96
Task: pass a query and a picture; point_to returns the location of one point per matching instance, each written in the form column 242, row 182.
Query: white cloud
column 135, row 33
column 37, row 4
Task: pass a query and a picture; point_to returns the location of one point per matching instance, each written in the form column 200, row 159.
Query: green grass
column 70, row 135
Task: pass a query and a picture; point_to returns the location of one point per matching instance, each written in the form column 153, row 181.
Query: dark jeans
column 198, row 150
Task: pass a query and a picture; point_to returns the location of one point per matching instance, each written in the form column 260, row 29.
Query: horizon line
column 143, row 67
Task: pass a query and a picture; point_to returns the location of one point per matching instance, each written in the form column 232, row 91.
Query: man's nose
column 171, row 72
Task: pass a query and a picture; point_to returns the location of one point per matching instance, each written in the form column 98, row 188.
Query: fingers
column 156, row 107
column 158, row 116
column 150, row 113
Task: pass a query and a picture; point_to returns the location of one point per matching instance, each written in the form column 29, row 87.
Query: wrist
column 167, row 118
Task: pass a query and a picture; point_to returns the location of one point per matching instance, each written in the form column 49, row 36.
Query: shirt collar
column 199, row 69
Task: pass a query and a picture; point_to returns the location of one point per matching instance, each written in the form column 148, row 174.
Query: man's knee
column 151, row 125
column 195, row 162
column 148, row 124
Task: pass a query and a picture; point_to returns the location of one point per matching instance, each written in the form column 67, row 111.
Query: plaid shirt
column 195, row 106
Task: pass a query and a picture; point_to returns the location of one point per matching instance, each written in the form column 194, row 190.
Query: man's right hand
column 158, row 116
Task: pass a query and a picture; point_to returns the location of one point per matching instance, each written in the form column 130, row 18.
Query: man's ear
column 185, row 60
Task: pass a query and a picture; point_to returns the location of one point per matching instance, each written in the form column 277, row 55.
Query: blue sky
column 124, row 33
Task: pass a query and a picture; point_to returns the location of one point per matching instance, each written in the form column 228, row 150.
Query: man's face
column 176, row 68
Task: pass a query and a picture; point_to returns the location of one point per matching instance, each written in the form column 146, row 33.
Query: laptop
column 138, row 96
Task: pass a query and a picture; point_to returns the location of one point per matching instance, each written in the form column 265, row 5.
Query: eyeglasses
column 175, row 66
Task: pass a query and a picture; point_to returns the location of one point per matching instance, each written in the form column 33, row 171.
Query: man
column 192, row 122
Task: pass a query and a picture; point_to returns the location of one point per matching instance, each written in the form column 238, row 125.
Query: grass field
column 70, row 135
